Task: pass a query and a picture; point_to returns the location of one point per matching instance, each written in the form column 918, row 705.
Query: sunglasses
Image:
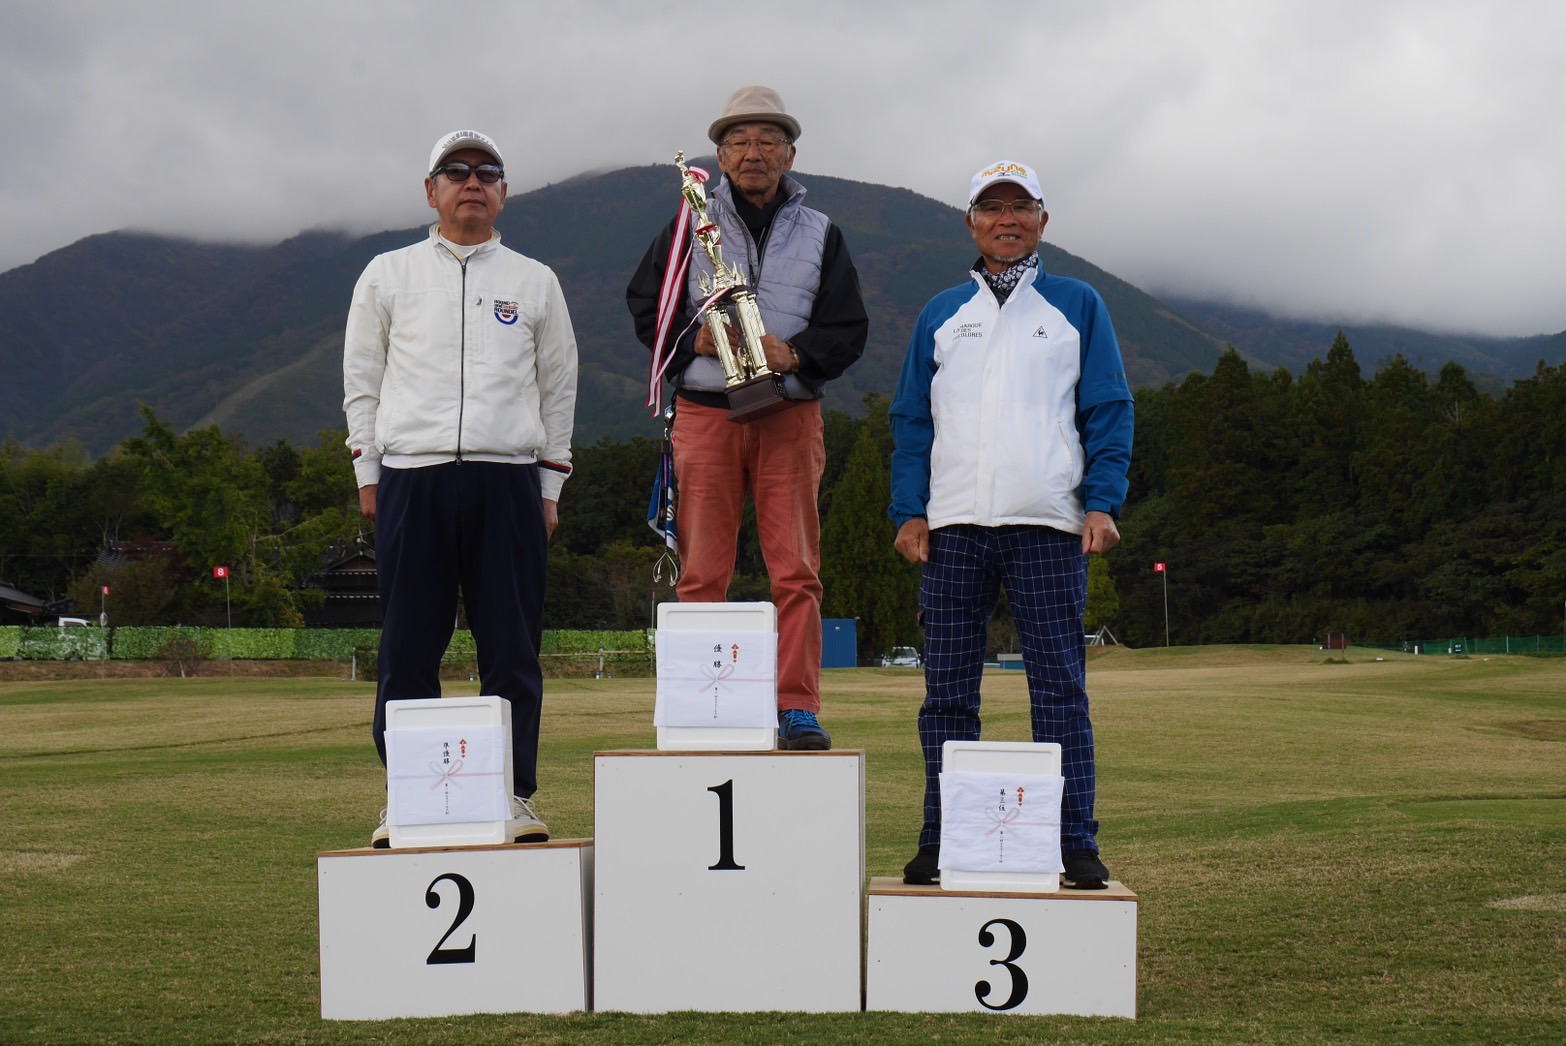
column 487, row 173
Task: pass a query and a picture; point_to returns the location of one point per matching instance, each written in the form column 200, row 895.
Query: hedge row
column 54, row 644
column 261, row 644
column 566, row 641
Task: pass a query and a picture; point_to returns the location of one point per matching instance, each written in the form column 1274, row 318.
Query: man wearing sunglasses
column 797, row 264
column 1012, row 439
column 459, row 380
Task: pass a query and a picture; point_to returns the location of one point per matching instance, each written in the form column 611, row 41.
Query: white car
column 901, row 657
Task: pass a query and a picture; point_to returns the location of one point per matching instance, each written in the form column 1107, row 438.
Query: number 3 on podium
column 1019, row 979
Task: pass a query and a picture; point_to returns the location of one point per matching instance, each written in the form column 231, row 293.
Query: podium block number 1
column 700, row 928
column 725, row 794
column 442, row 955
column 1019, row 979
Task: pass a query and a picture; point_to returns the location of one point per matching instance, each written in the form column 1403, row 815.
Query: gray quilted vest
column 789, row 276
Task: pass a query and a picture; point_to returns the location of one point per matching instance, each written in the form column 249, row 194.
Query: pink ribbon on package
column 1000, row 819
column 444, row 775
column 1011, row 818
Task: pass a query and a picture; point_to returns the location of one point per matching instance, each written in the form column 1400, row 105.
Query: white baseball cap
column 450, row 143
column 1005, row 171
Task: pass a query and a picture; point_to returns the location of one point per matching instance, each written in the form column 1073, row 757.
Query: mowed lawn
column 1360, row 850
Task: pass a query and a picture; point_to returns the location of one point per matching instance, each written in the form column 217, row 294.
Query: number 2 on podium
column 442, row 955
column 725, row 794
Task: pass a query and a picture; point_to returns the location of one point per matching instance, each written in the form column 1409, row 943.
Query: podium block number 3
column 725, row 794
column 1019, row 979
column 443, row 955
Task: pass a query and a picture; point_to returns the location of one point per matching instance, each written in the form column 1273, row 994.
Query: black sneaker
column 798, row 731
column 1084, row 871
column 925, row 868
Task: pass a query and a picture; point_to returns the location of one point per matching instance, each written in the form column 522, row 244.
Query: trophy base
column 756, row 398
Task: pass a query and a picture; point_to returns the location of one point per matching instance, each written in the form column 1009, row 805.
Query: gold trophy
column 754, row 390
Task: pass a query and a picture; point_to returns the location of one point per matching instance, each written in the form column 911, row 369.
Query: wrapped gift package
column 1000, row 816
column 717, row 677
column 448, row 771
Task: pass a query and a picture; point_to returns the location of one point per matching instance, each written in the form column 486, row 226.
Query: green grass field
column 1363, row 851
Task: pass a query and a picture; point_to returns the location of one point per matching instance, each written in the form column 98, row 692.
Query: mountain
column 249, row 337
column 1292, row 344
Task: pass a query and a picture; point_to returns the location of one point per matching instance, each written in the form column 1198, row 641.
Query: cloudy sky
column 1349, row 160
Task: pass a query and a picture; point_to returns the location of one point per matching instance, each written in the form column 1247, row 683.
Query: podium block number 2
column 725, row 794
column 1019, row 979
column 442, row 955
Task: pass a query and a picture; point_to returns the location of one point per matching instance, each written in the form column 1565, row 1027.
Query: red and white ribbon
column 669, row 296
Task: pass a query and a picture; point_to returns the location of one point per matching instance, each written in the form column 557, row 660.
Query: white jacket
column 1013, row 413
column 445, row 360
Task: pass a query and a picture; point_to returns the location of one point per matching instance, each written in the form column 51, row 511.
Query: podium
column 717, row 881
column 434, row 932
column 728, row 881
column 942, row 951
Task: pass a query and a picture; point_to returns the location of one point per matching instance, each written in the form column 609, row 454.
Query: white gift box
column 447, row 775
column 717, row 677
column 721, row 679
column 1000, row 816
column 1000, row 823
column 448, row 771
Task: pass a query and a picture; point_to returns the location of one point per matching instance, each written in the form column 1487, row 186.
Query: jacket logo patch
column 506, row 311
column 968, row 330
column 1041, row 333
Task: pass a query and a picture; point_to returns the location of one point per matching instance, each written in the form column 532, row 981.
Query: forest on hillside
column 1391, row 507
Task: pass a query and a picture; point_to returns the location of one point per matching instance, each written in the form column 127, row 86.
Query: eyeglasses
column 1024, row 209
column 766, row 145
column 487, row 173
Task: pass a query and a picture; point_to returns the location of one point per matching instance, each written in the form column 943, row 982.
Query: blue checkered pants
column 1045, row 574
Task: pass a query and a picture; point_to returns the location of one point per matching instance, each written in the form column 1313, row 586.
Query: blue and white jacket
column 1014, row 412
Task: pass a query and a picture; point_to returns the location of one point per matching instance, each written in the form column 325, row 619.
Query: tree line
column 1283, row 508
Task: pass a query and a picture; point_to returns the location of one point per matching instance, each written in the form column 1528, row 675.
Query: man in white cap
column 459, row 383
column 798, row 266
column 1012, row 433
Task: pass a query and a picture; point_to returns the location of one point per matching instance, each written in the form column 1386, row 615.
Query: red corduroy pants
column 778, row 461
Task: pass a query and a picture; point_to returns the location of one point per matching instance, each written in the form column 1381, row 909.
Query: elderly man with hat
column 1012, row 433
column 459, row 383
column 796, row 262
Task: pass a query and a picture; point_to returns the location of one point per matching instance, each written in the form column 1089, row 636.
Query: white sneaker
column 380, row 839
column 524, row 826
